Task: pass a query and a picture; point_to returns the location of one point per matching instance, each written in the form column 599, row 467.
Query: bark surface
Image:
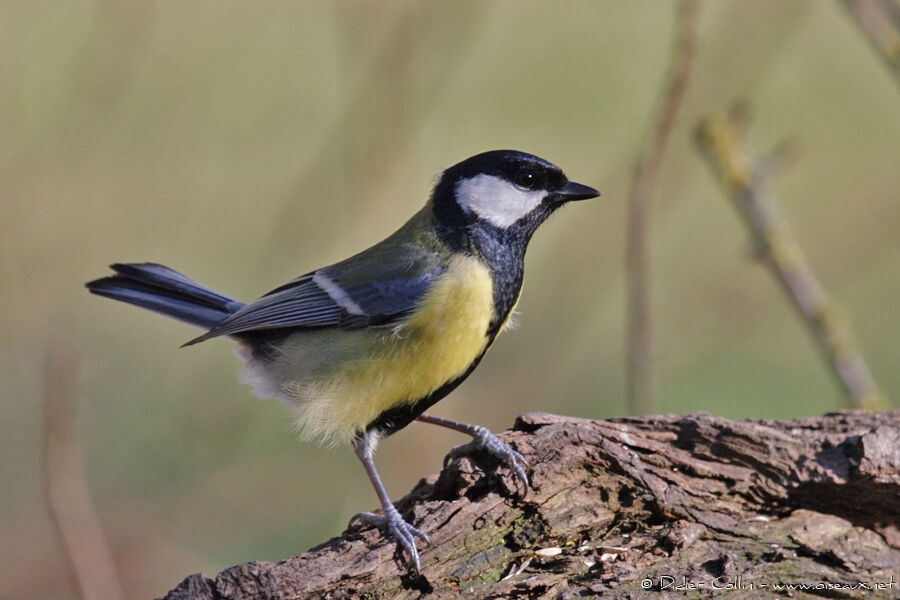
column 691, row 506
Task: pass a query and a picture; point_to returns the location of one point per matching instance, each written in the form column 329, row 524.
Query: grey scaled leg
column 391, row 522
column 485, row 440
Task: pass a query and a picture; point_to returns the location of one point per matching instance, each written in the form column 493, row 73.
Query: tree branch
column 721, row 139
column 879, row 22
column 617, row 506
column 646, row 180
column 68, row 499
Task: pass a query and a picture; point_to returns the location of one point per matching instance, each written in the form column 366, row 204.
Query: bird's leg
column 485, row 440
column 391, row 521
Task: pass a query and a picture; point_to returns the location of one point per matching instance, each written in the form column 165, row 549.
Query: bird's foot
column 485, row 440
column 393, row 524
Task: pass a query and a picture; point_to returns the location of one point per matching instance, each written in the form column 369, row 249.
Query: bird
column 361, row 348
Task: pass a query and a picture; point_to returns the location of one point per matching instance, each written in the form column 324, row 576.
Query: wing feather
column 325, row 298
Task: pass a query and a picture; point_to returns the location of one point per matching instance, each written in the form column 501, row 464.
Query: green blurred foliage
column 246, row 143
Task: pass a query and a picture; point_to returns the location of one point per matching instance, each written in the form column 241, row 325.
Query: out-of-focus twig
column 66, row 489
column 646, row 180
column 881, row 24
column 380, row 116
column 104, row 66
column 721, row 139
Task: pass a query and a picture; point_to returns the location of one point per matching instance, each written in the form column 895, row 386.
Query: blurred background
column 244, row 144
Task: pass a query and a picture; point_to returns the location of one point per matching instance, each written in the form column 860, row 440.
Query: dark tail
column 167, row 292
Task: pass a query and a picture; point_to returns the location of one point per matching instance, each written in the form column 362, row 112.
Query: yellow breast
column 385, row 369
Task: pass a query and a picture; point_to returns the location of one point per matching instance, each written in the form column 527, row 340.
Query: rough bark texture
column 629, row 508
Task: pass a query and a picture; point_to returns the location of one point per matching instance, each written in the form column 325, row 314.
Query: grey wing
column 319, row 299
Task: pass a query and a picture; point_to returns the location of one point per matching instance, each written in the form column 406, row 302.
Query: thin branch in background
column 104, row 66
column 721, row 139
column 880, row 21
column 383, row 111
column 646, row 180
column 66, row 488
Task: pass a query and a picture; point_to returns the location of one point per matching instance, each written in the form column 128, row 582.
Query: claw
column 486, row 440
column 483, row 439
column 392, row 523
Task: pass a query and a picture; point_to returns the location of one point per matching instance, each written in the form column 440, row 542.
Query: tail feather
column 160, row 289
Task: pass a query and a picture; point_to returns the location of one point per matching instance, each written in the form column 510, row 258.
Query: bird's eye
column 526, row 179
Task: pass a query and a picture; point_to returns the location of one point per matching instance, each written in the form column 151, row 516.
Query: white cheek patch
column 496, row 200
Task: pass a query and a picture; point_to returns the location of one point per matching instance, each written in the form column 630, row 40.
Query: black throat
column 502, row 250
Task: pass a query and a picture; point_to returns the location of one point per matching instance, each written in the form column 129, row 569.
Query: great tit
column 361, row 348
